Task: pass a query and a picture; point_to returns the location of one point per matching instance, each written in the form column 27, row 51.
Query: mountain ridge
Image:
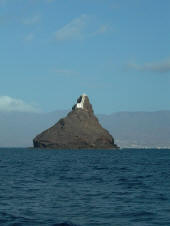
column 17, row 128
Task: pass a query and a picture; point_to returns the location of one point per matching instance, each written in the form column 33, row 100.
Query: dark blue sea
column 84, row 188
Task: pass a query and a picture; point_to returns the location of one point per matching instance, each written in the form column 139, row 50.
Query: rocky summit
column 80, row 129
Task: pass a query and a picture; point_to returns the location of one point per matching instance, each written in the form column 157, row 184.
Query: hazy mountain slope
column 128, row 128
column 18, row 129
column 139, row 128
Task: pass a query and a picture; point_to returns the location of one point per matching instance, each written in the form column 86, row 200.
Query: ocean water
column 84, row 188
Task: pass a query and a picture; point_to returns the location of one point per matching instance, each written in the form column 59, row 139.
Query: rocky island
column 80, row 129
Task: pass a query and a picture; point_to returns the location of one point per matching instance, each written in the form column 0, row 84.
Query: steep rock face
column 80, row 129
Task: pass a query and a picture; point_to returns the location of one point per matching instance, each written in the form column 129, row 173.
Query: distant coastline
column 130, row 129
column 118, row 149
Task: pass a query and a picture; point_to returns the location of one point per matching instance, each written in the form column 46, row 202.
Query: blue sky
column 115, row 51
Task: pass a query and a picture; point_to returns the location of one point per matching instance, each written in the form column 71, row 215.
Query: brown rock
column 80, row 129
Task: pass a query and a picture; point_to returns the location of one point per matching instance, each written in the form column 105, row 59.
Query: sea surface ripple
column 84, row 188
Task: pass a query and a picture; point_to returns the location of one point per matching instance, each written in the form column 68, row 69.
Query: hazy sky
column 115, row 51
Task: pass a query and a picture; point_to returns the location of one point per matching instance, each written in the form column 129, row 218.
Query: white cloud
column 102, row 29
column 79, row 28
column 73, row 30
column 29, row 37
column 160, row 67
column 33, row 20
column 9, row 104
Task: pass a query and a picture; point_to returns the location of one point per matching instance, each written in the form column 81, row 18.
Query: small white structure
column 81, row 104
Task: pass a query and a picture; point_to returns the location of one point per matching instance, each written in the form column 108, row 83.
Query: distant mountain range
column 130, row 129
column 139, row 129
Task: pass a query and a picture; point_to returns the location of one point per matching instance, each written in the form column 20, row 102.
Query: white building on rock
column 81, row 103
